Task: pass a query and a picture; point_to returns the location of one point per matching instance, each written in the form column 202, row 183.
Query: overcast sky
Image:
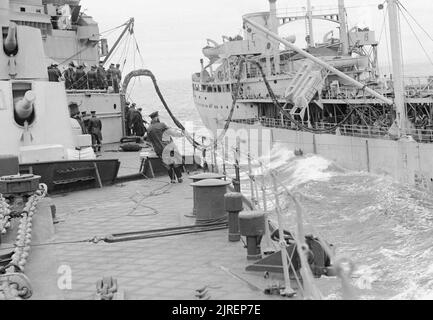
column 172, row 33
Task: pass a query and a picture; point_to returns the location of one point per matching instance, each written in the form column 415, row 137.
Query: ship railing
column 87, row 91
column 270, row 122
column 420, row 135
column 417, row 85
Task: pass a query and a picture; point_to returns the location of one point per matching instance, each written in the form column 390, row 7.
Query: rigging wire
column 417, row 38
column 121, row 43
column 138, row 50
column 416, row 21
column 114, row 29
column 382, row 31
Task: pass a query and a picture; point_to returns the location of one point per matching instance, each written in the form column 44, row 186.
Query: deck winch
column 252, row 225
column 318, row 259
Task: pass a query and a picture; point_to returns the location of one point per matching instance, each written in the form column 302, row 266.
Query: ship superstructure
column 71, row 36
column 332, row 100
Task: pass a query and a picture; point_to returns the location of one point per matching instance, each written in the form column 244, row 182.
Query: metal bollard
column 252, row 225
column 234, row 205
column 209, row 200
column 201, row 177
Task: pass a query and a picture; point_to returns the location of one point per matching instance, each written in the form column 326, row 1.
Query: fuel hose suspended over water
column 195, row 144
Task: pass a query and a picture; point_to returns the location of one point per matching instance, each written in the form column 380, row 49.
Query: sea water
column 384, row 227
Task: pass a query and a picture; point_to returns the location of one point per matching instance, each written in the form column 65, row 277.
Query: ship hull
column 69, row 176
column 407, row 162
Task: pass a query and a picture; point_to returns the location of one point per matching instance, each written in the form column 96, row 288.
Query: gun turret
column 10, row 44
column 24, row 107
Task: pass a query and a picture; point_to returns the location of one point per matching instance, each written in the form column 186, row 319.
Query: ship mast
column 309, row 22
column 397, row 64
column 344, row 38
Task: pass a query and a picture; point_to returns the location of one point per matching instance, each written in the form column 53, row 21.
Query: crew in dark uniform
column 127, row 128
column 102, row 77
column 137, row 122
column 92, row 78
column 70, row 76
column 86, row 120
column 110, row 75
column 129, row 117
column 95, row 129
column 80, row 81
column 165, row 148
column 54, row 74
column 118, row 79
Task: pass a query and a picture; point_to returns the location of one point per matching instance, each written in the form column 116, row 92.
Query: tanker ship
column 328, row 98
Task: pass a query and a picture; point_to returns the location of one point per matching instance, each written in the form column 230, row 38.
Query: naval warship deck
column 167, row 268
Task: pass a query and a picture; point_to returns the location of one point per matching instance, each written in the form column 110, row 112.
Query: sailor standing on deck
column 95, row 129
column 54, row 74
column 92, row 78
column 127, row 129
column 80, row 81
column 117, row 79
column 137, row 123
column 130, row 116
column 70, row 76
column 85, row 118
column 118, row 73
column 160, row 136
column 102, row 77
column 110, row 75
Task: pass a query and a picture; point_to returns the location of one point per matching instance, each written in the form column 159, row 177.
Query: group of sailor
column 159, row 135
column 92, row 125
column 134, row 121
column 97, row 78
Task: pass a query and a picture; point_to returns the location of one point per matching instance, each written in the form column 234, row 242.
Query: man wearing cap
column 137, row 123
column 86, row 119
column 70, row 76
column 102, row 76
column 92, row 78
column 160, row 136
column 127, row 129
column 95, row 129
column 111, row 75
column 117, row 79
column 54, row 74
column 80, row 80
column 129, row 117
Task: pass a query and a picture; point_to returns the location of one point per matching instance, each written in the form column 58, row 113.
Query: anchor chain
column 4, row 215
column 14, row 285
